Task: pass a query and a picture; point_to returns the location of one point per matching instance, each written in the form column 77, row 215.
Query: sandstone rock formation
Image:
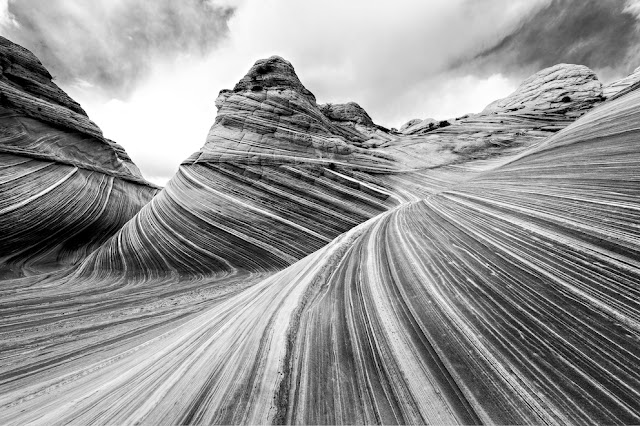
column 64, row 188
column 287, row 275
column 352, row 115
column 275, row 181
column 543, row 104
column 411, row 123
column 574, row 88
column 617, row 86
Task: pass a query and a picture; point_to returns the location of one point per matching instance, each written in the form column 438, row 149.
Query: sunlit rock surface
column 287, row 275
column 64, row 188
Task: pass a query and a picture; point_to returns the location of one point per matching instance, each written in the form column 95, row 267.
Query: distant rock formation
column 416, row 125
column 573, row 88
column 412, row 123
column 352, row 115
column 64, row 188
column 349, row 112
column 544, row 103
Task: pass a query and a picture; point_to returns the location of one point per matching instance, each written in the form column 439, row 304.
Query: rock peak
column 273, row 73
column 565, row 86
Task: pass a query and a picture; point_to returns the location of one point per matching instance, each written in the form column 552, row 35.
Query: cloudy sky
column 148, row 72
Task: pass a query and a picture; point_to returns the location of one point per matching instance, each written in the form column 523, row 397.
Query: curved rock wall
column 64, row 188
column 509, row 298
column 275, row 181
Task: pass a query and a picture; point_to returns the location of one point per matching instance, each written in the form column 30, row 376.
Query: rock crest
column 562, row 86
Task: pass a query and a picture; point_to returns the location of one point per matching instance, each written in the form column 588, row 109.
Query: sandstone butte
column 309, row 266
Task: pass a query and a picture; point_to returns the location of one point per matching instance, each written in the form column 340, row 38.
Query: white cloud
column 633, row 7
column 7, row 20
column 390, row 57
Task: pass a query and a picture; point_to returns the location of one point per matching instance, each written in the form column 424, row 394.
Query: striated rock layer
column 275, row 181
column 64, row 188
column 510, row 297
column 288, row 275
column 352, row 115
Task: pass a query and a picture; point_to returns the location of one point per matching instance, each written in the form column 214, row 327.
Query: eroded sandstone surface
column 64, row 188
column 485, row 271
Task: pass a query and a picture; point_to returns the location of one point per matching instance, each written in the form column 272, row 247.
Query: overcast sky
column 148, row 72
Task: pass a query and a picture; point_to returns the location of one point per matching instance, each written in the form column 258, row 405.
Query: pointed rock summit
column 271, row 118
column 273, row 73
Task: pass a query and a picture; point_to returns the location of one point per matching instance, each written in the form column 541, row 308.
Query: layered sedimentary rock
column 506, row 293
column 563, row 87
column 485, row 271
column 616, row 87
column 275, row 181
column 543, row 104
column 416, row 125
column 64, row 188
column 353, row 116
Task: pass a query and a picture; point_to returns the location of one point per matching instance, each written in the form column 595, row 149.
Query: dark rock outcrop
column 64, row 188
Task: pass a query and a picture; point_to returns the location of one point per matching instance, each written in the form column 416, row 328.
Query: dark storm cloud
column 113, row 44
column 601, row 34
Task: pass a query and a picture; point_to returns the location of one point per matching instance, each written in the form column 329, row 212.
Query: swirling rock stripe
column 53, row 215
column 511, row 297
column 222, row 217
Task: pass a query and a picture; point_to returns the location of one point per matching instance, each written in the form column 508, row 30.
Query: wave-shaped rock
column 482, row 272
column 544, row 103
column 64, row 188
column 510, row 297
column 275, row 181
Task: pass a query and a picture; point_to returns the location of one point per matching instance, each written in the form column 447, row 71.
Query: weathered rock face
column 491, row 283
column 353, row 116
column 273, row 73
column 64, row 188
column 275, row 181
column 543, row 104
column 418, row 126
column 412, row 123
column 349, row 112
column 504, row 293
column 560, row 87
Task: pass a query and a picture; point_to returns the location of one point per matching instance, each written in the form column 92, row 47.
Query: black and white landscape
column 307, row 265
